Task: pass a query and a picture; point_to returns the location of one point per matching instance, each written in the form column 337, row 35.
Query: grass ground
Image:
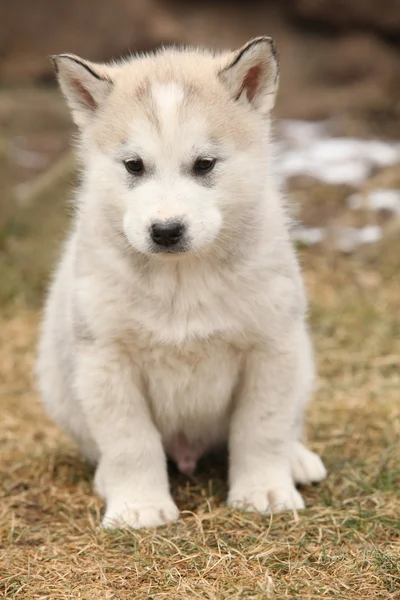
column 346, row 545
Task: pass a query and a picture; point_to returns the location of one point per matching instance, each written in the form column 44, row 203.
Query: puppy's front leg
column 132, row 473
column 262, row 431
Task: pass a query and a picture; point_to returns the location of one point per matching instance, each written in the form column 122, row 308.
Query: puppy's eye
column 134, row 166
column 202, row 166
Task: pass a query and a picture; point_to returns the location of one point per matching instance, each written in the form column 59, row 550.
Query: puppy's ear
column 253, row 74
column 85, row 85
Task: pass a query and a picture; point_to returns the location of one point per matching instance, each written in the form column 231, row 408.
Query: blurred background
column 337, row 116
column 337, row 130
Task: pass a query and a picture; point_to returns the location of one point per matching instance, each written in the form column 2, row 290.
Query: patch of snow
column 309, row 235
column 29, row 159
column 347, row 239
column 307, row 149
column 379, row 199
column 369, row 234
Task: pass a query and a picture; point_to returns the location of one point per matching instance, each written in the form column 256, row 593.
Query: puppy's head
column 174, row 145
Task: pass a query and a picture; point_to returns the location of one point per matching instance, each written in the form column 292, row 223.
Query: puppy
column 176, row 320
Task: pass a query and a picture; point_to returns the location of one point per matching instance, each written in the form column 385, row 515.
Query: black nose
column 167, row 234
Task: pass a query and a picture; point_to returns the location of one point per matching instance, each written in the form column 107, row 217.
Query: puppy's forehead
column 166, row 86
column 167, row 97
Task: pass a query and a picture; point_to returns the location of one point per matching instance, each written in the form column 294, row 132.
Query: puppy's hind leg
column 307, row 467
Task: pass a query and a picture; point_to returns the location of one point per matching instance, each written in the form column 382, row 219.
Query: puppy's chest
column 197, row 308
column 190, row 388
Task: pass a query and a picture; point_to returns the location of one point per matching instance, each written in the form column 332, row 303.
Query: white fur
column 168, row 97
column 144, row 355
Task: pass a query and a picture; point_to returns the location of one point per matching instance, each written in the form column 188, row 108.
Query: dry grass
column 346, row 545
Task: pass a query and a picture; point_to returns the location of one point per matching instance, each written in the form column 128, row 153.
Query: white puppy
column 176, row 318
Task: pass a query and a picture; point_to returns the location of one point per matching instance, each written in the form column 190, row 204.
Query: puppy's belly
column 184, row 453
column 190, row 394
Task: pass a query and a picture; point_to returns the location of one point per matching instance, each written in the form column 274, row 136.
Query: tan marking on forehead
column 143, row 96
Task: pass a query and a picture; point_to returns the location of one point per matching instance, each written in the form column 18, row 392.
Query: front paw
column 273, row 498
column 139, row 515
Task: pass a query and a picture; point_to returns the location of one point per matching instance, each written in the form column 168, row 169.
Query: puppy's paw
column 307, row 467
column 266, row 499
column 140, row 516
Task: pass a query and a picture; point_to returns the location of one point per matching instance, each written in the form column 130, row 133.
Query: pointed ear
column 253, row 73
column 85, row 85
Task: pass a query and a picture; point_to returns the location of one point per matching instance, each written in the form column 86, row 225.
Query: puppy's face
column 174, row 145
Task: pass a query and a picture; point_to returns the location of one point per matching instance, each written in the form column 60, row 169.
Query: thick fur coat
column 176, row 320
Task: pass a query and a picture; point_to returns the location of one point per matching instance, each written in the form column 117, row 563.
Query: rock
column 385, row 178
column 360, row 57
column 376, row 15
column 385, row 253
column 317, row 203
column 95, row 29
column 7, row 196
